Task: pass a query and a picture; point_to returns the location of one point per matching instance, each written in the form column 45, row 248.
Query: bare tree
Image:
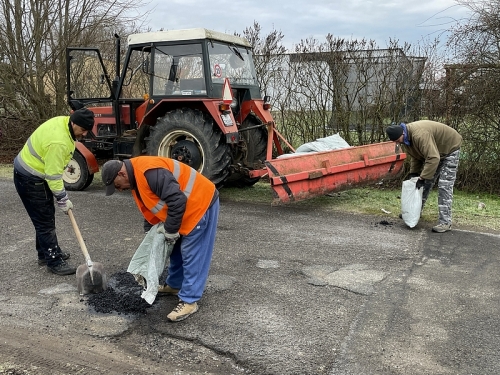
column 433, row 96
column 351, row 87
column 472, row 87
column 268, row 50
column 33, row 39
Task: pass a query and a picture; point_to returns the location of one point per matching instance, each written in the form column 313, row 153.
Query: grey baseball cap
column 109, row 172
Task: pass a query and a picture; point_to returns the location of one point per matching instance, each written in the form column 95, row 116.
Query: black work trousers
column 38, row 201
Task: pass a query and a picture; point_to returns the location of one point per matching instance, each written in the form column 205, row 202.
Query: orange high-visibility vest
column 198, row 189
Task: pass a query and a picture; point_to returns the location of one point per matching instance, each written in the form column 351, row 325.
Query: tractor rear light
column 232, row 138
column 225, row 108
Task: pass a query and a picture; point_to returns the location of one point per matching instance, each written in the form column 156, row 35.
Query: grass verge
column 470, row 211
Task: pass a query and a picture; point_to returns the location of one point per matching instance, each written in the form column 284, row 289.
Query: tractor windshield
column 233, row 62
column 178, row 70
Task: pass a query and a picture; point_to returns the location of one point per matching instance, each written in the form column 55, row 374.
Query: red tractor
column 191, row 95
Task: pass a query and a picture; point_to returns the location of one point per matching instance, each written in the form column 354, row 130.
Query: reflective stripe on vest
column 196, row 188
column 34, row 172
column 32, row 150
column 187, row 191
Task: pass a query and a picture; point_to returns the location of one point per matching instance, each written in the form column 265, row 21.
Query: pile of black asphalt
column 123, row 296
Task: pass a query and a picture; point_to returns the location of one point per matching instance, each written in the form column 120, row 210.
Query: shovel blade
column 91, row 279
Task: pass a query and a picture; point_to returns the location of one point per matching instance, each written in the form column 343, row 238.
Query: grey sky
column 380, row 20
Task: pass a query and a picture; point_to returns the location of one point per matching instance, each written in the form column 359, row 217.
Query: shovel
column 90, row 277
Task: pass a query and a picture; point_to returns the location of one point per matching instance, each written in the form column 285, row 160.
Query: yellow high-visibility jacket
column 48, row 151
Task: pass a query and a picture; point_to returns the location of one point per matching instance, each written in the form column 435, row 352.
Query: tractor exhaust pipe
column 117, row 62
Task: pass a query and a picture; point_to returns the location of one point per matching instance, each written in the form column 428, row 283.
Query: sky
column 378, row 20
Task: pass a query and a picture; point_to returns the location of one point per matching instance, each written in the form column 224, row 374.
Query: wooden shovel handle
column 79, row 237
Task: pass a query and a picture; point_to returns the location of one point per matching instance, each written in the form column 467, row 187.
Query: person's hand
column 65, row 204
column 170, row 238
column 420, row 183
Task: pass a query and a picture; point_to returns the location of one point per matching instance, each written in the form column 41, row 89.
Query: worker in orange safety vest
column 187, row 203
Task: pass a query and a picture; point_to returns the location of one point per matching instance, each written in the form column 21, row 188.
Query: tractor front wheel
column 76, row 176
column 189, row 136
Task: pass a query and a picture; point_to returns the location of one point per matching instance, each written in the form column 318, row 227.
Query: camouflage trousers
column 446, row 173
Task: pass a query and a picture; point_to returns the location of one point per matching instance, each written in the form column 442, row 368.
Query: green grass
column 379, row 201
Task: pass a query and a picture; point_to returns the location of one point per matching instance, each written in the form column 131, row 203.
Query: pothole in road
column 123, row 296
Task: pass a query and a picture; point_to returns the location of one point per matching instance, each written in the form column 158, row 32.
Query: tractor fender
column 210, row 106
column 257, row 108
column 89, row 157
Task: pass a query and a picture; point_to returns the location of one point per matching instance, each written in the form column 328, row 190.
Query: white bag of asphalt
column 333, row 142
column 149, row 261
column 411, row 202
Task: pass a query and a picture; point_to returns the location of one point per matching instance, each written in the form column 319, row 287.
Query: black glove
column 420, row 183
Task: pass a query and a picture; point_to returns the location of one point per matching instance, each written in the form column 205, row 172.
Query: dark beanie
column 84, row 118
column 394, row 132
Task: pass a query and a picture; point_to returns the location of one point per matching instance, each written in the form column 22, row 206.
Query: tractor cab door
column 113, row 101
column 88, row 80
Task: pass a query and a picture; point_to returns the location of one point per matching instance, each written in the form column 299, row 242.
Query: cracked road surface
column 291, row 291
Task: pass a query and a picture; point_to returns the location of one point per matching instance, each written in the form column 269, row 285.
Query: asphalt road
column 291, row 291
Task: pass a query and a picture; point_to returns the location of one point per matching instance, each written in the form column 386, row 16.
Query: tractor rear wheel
column 189, row 136
column 76, row 176
column 251, row 154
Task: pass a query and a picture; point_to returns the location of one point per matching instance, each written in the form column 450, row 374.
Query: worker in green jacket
column 434, row 149
column 38, row 177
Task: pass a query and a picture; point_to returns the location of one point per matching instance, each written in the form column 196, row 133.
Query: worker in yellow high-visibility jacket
column 38, row 177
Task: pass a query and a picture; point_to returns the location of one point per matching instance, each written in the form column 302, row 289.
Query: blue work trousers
column 191, row 257
column 38, row 201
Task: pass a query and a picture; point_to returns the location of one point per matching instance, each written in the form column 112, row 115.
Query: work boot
column 182, row 311
column 167, row 290
column 43, row 262
column 441, row 228
column 62, row 269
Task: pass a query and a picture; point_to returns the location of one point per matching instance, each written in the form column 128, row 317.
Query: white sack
column 149, row 261
column 411, row 202
column 333, row 142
